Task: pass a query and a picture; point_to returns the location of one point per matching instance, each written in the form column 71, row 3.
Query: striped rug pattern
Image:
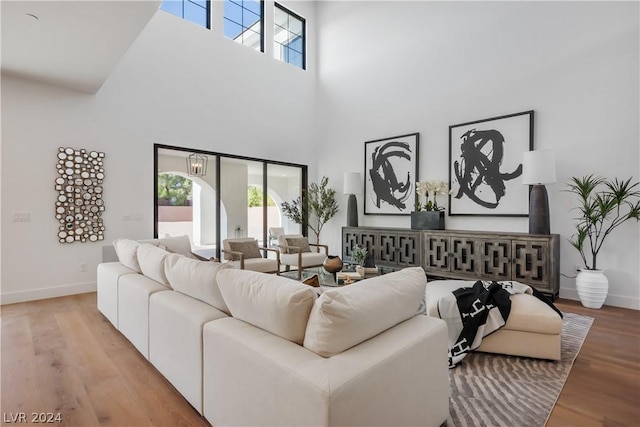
column 495, row 390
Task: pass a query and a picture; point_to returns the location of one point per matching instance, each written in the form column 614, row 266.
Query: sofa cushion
column 298, row 242
column 151, row 260
column 248, row 248
column 127, row 251
column 197, row 279
column 273, row 303
column 344, row 317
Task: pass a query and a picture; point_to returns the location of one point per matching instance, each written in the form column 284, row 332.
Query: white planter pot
column 592, row 286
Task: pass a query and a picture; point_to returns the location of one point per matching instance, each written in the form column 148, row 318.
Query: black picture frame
column 391, row 173
column 485, row 166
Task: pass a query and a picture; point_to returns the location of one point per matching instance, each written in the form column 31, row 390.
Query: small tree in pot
column 604, row 205
column 322, row 206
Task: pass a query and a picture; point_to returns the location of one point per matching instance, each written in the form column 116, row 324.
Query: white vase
column 592, row 286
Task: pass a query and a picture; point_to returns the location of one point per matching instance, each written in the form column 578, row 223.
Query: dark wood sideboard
column 455, row 254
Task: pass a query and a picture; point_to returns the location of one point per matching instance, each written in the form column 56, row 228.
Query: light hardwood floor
column 62, row 356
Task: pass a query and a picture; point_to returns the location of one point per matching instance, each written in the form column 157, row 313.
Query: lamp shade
column 538, row 167
column 352, row 184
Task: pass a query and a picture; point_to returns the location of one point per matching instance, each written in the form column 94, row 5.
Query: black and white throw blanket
column 475, row 312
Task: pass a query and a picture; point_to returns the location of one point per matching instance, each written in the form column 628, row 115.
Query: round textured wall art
column 79, row 202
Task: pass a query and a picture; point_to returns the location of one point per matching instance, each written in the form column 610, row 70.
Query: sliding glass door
column 185, row 203
column 284, row 184
column 213, row 196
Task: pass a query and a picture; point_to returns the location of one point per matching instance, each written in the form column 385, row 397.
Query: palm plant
column 321, row 205
column 604, row 206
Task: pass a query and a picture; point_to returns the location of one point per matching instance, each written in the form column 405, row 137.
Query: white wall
column 385, row 68
column 178, row 84
column 392, row 68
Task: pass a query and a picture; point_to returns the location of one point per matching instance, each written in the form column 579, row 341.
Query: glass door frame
column 217, row 156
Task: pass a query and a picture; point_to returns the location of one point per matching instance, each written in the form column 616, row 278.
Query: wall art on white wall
column 79, row 204
column 391, row 172
column 485, row 166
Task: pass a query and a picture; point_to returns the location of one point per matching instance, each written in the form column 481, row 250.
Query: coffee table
column 325, row 279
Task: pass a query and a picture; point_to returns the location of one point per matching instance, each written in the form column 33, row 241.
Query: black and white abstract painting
column 391, row 172
column 485, row 166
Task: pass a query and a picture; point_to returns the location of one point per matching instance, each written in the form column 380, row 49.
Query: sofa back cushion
column 151, row 260
column 344, row 317
column 127, row 251
column 197, row 279
column 277, row 305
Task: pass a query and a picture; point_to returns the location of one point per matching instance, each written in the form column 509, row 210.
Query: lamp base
column 352, row 211
column 539, row 210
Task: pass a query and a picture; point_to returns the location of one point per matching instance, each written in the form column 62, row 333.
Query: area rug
column 494, row 390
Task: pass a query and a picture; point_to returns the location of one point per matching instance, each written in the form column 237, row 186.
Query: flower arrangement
column 427, row 188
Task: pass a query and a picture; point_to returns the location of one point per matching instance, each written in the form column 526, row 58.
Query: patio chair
column 295, row 251
column 244, row 253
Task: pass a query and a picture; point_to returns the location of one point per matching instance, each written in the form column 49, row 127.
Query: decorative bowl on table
column 332, row 264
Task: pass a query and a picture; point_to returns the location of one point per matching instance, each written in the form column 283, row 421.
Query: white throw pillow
column 151, row 260
column 277, row 305
column 127, row 251
column 197, row 279
column 344, row 317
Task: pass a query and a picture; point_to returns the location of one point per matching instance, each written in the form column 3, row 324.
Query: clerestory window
column 289, row 37
column 243, row 22
column 196, row 11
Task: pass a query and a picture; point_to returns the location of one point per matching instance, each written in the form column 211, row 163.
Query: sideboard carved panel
column 387, row 249
column 393, row 248
column 468, row 255
column 408, row 249
column 530, row 262
column 436, row 252
column 464, row 258
column 495, row 259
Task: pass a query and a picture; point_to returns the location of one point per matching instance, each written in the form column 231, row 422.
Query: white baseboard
column 612, row 300
column 44, row 293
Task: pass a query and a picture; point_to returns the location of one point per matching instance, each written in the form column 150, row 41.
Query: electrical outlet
column 83, row 267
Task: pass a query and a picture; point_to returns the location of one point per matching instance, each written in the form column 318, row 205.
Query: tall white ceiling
column 74, row 44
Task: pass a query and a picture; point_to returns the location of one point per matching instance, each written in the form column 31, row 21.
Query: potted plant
column 359, row 255
column 429, row 216
column 603, row 206
column 321, row 205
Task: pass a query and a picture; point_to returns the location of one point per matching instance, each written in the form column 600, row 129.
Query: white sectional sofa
column 248, row 348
